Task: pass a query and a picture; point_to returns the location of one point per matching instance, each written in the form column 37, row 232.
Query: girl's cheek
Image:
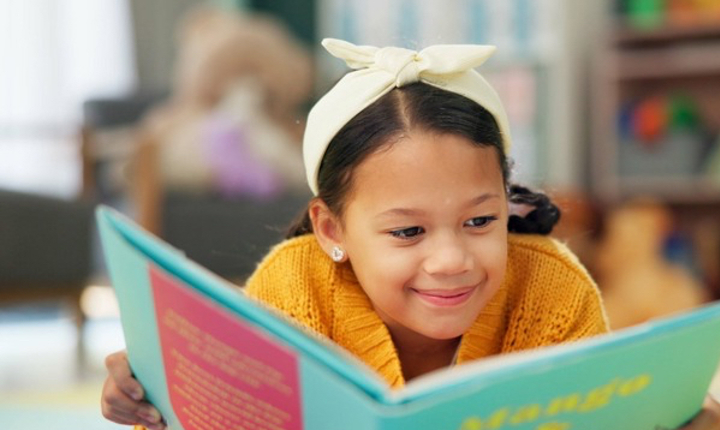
column 493, row 257
column 397, row 265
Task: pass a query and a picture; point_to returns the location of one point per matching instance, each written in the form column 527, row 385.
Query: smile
column 445, row 297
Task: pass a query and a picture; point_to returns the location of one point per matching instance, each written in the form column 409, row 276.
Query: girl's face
column 425, row 229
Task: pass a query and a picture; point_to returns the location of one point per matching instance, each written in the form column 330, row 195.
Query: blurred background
column 187, row 116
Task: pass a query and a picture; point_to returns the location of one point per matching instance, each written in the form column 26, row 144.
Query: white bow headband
column 448, row 67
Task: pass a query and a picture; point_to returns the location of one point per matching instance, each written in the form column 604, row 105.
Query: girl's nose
column 449, row 256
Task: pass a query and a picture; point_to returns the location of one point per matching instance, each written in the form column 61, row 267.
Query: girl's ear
column 326, row 226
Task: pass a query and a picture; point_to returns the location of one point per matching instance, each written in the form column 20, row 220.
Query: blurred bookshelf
column 657, row 105
column 656, row 117
column 627, row 34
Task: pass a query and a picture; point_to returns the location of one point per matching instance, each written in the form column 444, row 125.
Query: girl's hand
column 122, row 396
column 708, row 418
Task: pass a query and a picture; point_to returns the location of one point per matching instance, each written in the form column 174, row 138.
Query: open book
column 211, row 358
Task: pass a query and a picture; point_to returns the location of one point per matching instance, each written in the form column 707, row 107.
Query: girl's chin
column 445, row 333
column 446, row 325
column 432, row 327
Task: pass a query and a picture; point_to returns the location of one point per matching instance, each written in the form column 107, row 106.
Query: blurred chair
column 228, row 235
column 45, row 251
column 108, row 143
column 241, row 82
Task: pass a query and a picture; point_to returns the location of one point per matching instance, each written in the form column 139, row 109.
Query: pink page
column 221, row 372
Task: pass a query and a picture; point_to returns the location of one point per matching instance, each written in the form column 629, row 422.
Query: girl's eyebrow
column 400, row 211
column 482, row 198
column 419, row 212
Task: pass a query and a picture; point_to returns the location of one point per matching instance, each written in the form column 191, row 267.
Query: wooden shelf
column 671, row 62
column 626, row 36
column 639, row 64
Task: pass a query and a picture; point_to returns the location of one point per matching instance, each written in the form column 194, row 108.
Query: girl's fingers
column 152, row 426
column 148, row 414
column 119, row 408
column 119, row 369
column 122, row 396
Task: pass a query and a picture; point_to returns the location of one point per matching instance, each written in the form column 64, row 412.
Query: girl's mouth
column 445, row 297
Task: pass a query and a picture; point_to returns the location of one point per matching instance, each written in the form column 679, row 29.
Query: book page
column 221, row 372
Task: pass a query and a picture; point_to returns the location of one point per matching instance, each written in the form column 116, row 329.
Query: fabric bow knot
column 408, row 66
column 378, row 71
column 403, row 64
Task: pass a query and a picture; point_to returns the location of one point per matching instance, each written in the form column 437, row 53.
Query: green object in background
column 646, row 14
column 683, row 113
column 298, row 15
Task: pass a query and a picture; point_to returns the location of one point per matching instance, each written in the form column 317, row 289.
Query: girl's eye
column 480, row 221
column 407, row 233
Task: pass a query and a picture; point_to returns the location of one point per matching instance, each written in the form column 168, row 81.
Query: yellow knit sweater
column 547, row 297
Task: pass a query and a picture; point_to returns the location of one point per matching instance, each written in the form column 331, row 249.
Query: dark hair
column 424, row 107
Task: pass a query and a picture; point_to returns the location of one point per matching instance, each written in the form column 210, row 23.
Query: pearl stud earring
column 337, row 254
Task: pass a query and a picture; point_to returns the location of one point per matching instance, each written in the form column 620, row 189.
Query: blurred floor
column 43, row 384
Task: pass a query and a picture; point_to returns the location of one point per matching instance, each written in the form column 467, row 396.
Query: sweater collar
column 358, row 328
column 485, row 336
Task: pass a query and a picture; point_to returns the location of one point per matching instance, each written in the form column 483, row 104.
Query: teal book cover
column 211, row 358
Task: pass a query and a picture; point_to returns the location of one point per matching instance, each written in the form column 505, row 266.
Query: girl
column 404, row 257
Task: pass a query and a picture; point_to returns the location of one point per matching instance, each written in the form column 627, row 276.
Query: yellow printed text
column 573, row 403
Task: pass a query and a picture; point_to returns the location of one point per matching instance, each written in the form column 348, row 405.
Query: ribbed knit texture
column 547, row 298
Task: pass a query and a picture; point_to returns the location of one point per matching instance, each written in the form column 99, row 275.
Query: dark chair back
column 45, row 244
